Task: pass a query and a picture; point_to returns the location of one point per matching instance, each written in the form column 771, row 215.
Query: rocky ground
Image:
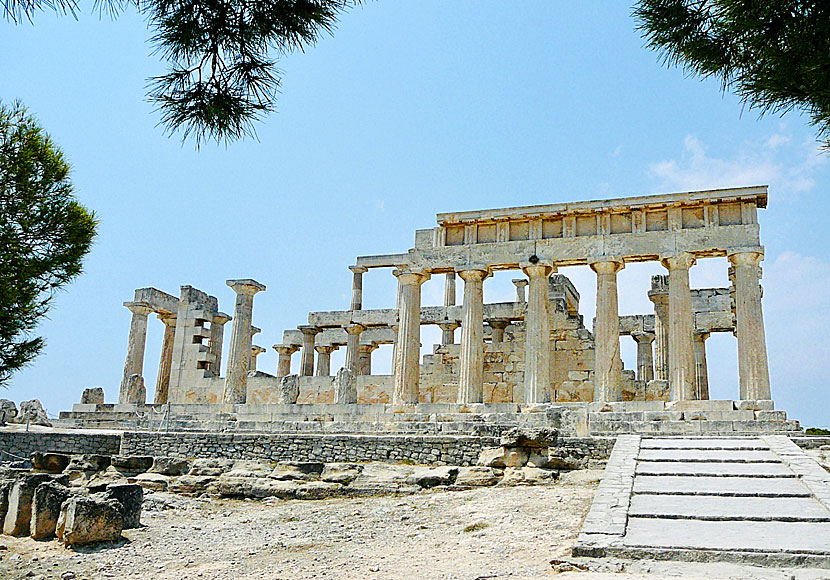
column 483, row 533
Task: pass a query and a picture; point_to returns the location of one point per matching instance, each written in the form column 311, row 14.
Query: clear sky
column 409, row 109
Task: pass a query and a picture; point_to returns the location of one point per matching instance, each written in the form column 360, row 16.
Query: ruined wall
column 16, row 444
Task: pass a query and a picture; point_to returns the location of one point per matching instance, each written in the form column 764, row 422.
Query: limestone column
column 239, row 354
column 217, row 335
column 408, row 351
column 753, row 366
column 607, row 370
column 645, row 358
column 537, row 328
column 448, row 332
column 364, row 361
column 284, row 361
column 520, row 284
column 324, row 360
column 660, row 298
column 701, row 370
column 471, row 374
column 307, row 357
column 134, row 364
column 681, row 327
column 449, row 290
column 255, row 352
column 357, row 287
column 497, row 326
column 166, row 360
column 353, row 346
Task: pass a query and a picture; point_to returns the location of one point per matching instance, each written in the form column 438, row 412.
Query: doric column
column 471, row 374
column 608, row 366
column 659, row 295
column 753, row 367
column 394, row 328
column 217, row 336
column 681, row 327
column 353, row 345
column 324, row 360
column 497, row 326
column 448, row 332
column 449, row 290
column 166, row 360
column 239, row 354
column 255, row 352
column 357, row 287
column 537, row 328
column 408, row 352
column 364, row 359
column 284, row 362
column 520, row 289
column 645, row 359
column 701, row 370
column 134, row 364
column 307, row 357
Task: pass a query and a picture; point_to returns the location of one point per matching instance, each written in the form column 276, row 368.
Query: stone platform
column 718, row 417
column 758, row 500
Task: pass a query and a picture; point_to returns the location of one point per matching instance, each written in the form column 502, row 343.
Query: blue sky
column 408, row 110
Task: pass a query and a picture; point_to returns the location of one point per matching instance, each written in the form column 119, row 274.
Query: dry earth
column 486, row 533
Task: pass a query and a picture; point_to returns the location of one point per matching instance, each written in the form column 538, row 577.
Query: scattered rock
column 343, row 473
column 566, row 459
column 170, row 466
column 8, row 411
column 305, row 471
column 152, row 481
column 85, row 520
column 32, row 412
column 538, row 475
column 318, row 490
column 212, row 467
column 19, row 511
column 46, row 509
column 529, row 437
column 98, row 482
column 51, row 462
column 132, row 463
column 432, row 476
column 581, row 476
column 491, row 457
column 477, row 476
column 515, row 456
column 192, row 484
column 130, row 497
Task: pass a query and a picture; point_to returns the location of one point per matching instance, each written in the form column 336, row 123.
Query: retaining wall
column 16, row 444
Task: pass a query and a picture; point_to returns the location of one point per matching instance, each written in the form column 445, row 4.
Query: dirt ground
column 486, row 533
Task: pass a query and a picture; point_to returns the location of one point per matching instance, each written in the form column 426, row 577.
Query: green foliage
column 44, row 233
column 222, row 55
column 816, row 431
column 476, row 527
column 775, row 55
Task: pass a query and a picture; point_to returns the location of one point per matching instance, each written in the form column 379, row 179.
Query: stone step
column 717, row 469
column 714, row 508
column 703, row 443
column 721, row 486
column 709, row 455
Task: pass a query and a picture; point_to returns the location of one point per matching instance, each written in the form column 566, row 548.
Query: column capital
column 167, row 318
column 309, row 330
column 257, row 350
column 221, row 318
column 354, row 328
column 255, row 330
column 358, row 269
column 369, row 347
column 538, row 268
column 500, row 323
column 643, row 336
column 681, row 261
column 700, row 336
column 245, row 286
column 449, row 325
column 606, row 264
column 748, row 256
column 325, row 349
column 286, row 349
column 409, row 277
column 520, row 282
column 473, row 272
column 139, row 307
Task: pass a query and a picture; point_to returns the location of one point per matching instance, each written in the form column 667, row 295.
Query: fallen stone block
column 477, row 476
column 51, row 462
column 32, row 412
column 192, row 484
column 92, row 396
column 318, row 490
column 516, row 456
column 19, row 512
column 132, row 463
column 529, row 437
column 210, row 467
column 46, row 509
column 491, row 457
column 342, row 473
column 432, row 476
column 305, row 471
column 85, row 520
column 170, row 466
column 129, row 496
column 152, row 481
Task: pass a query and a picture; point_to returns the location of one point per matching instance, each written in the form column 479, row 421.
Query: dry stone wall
column 22, row 444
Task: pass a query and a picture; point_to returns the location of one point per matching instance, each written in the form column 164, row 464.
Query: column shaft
column 284, row 361
column 449, row 289
column 408, row 350
column 136, row 343
column 357, row 287
column 307, row 355
column 681, row 328
column 645, row 358
column 701, row 370
column 537, row 328
column 471, row 376
column 607, row 370
column 353, row 346
column 165, row 361
column 323, row 360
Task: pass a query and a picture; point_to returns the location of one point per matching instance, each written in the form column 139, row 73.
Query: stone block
column 718, row 415
column 130, row 497
column 432, row 476
column 152, row 481
column 170, row 466
column 662, row 415
column 529, row 437
column 755, row 405
column 86, row 520
column 132, row 463
column 516, row 456
column 304, row 471
column 492, row 457
column 46, row 509
column 343, row 473
column 92, row 396
column 538, row 475
column 477, row 476
column 19, row 510
column 51, row 462
column 775, row 416
column 193, row 484
column 701, row 406
column 210, row 467
column 578, row 376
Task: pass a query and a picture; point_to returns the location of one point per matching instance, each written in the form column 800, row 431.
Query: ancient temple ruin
column 530, row 360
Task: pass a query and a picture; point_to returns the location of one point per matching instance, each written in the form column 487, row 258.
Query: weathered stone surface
column 492, row 457
column 305, row 471
column 345, row 387
column 246, row 468
column 580, row 476
column 32, row 412
column 193, row 484
column 538, row 475
column 51, row 462
column 46, row 509
column 85, row 520
column 133, row 390
column 89, row 462
column 433, row 476
column 381, row 478
column 98, row 482
column 8, row 411
column 529, row 437
column 319, row 490
column 343, row 473
column 170, row 466
column 132, row 463
column 211, row 467
column 565, row 459
column 289, row 390
column 477, row 476
column 19, row 510
column 92, row 396
column 152, row 481
column 516, row 456
column 129, row 496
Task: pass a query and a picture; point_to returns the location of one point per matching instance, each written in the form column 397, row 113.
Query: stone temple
column 532, row 361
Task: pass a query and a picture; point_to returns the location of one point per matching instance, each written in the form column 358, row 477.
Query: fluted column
column 357, row 287
column 448, row 332
column 136, row 343
column 497, row 326
column 645, row 358
column 284, row 361
column 408, row 352
column 701, row 367
column 239, row 354
column 681, row 327
column 449, row 289
column 471, row 375
column 364, row 359
column 660, row 298
column 537, row 328
column 324, row 360
column 520, row 284
column 217, row 336
column 307, row 356
column 608, row 367
column 353, row 345
column 753, row 366
column 166, row 360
